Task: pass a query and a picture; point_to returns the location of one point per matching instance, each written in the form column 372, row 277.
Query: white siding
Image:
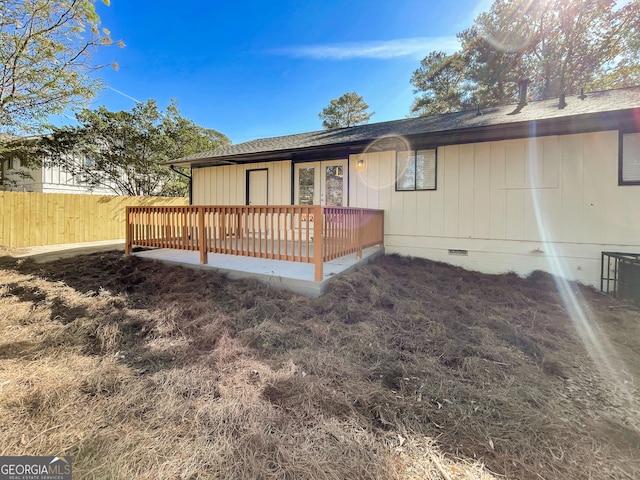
column 52, row 179
column 226, row 185
column 515, row 205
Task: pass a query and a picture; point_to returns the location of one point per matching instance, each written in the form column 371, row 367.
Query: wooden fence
column 295, row 233
column 29, row 219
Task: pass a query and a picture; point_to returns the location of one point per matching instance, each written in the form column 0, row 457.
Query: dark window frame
column 246, row 190
column 621, row 180
column 415, row 160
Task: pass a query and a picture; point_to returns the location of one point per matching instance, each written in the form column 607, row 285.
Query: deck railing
column 298, row 233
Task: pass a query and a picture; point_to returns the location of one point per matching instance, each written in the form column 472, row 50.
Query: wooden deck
column 298, row 233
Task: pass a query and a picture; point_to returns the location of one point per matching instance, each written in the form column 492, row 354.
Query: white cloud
column 406, row 47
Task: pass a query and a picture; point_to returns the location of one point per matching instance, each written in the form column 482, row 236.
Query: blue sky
column 259, row 69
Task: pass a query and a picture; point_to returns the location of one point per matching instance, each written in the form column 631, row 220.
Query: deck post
column 318, row 247
column 359, row 227
column 128, row 232
column 202, row 237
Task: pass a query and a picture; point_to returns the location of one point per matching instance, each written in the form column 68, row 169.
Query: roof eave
column 580, row 123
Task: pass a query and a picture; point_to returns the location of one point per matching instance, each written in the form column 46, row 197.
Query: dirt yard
column 405, row 369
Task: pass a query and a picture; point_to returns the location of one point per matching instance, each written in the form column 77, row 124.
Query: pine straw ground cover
column 405, row 369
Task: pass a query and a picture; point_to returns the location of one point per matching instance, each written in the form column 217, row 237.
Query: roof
column 610, row 109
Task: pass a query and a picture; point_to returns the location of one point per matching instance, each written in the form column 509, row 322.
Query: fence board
column 29, row 219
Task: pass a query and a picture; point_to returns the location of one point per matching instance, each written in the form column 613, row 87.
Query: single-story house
column 542, row 185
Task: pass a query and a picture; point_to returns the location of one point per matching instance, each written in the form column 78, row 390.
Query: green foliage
column 441, row 78
column 45, row 48
column 125, row 151
column 348, row 110
column 560, row 45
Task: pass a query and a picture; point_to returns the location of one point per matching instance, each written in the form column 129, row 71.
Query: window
column 415, row 170
column 629, row 169
column 306, row 183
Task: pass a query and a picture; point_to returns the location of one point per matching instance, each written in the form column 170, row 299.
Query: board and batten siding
column 227, row 185
column 549, row 203
column 51, row 179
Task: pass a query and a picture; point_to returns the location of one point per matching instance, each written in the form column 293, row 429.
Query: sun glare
column 596, row 343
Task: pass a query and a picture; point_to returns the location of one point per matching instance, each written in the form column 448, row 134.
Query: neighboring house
column 546, row 185
column 46, row 179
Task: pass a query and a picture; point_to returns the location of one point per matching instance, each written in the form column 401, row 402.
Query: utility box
column 621, row 275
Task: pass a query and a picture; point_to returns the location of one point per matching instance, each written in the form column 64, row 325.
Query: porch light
column 360, row 164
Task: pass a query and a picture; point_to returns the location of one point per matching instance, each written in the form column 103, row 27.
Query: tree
column 441, row 80
column 125, row 151
column 45, row 49
column 561, row 45
column 625, row 70
column 348, row 110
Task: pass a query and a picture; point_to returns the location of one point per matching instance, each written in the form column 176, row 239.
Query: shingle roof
column 592, row 103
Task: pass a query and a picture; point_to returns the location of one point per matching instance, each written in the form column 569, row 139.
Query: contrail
column 375, row 49
column 124, row 94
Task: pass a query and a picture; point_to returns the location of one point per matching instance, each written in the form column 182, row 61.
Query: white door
column 257, row 185
column 321, row 183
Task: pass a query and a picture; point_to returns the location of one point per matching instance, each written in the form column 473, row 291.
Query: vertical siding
column 450, row 166
column 466, row 191
column 482, row 191
column 397, row 213
column 226, row 185
column 506, row 199
column 423, row 212
column 572, row 189
column 52, row 179
column 515, row 167
column 436, row 200
column 563, row 188
column 514, row 213
column 498, row 195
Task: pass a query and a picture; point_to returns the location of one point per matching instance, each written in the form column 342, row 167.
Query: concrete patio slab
column 294, row 276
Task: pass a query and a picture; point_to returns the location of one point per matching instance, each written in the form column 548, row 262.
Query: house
column 46, row 178
column 544, row 185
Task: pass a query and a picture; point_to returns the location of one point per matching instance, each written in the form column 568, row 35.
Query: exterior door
column 321, row 183
column 257, row 187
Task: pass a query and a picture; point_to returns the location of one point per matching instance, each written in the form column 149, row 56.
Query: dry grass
column 405, row 369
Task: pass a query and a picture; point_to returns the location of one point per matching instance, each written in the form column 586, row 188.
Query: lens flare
column 585, row 324
column 519, row 32
column 385, row 143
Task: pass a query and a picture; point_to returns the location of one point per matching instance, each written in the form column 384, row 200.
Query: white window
column 416, row 170
column 629, row 173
